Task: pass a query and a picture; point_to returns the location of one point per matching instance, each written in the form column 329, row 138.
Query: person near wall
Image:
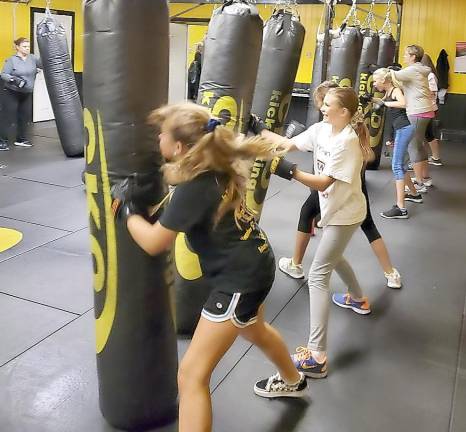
column 19, row 75
column 432, row 136
column 194, row 75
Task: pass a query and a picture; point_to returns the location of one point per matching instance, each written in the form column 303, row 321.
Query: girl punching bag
column 229, row 68
column 345, row 51
column 61, row 85
column 135, row 336
column 385, row 58
column 313, row 114
column 367, row 62
column 281, row 50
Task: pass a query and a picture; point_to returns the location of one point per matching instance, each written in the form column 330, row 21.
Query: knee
column 190, row 377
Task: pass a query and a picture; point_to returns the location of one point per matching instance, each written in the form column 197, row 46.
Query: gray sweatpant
column 329, row 256
column 416, row 149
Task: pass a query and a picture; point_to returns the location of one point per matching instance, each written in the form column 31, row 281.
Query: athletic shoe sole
column 4, row 149
column 265, row 394
column 357, row 310
column 435, row 163
column 393, row 286
column 314, row 375
column 415, row 200
column 394, row 217
column 18, row 144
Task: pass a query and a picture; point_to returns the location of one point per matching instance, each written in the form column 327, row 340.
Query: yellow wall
column 7, row 26
column 433, row 24
column 436, row 24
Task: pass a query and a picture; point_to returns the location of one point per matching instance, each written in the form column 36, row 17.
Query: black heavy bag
column 135, row 336
column 229, row 69
column 231, row 58
column 367, row 61
column 313, row 113
column 281, row 50
column 387, row 48
column 376, row 127
column 61, row 85
column 345, row 51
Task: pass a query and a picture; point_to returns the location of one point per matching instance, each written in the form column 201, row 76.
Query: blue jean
column 402, row 138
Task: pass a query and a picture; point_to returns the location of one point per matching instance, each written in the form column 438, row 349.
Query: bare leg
column 210, row 342
column 381, row 252
column 419, row 171
column 400, row 193
column 270, row 342
column 425, row 169
column 435, row 148
column 410, row 184
column 302, row 240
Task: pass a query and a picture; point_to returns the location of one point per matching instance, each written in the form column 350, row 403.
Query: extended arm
column 318, row 182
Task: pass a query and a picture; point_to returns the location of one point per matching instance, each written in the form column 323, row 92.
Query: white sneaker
column 393, row 279
column 426, row 182
column 287, row 266
column 419, row 188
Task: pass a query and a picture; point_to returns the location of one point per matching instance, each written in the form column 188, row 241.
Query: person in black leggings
column 310, row 209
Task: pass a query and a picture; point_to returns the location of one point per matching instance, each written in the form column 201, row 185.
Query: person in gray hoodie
column 19, row 75
column 413, row 79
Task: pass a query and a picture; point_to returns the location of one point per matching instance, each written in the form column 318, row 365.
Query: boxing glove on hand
column 256, row 125
column 294, row 128
column 18, row 82
column 377, row 105
column 364, row 99
column 124, row 195
column 282, row 167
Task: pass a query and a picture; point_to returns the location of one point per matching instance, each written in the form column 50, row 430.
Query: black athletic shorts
column 240, row 309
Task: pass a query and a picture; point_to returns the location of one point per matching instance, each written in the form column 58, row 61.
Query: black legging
column 311, row 208
column 16, row 115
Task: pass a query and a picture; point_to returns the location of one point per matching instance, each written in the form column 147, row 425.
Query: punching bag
column 313, row 114
column 345, row 51
column 229, row 68
column 385, row 58
column 61, row 85
column 135, row 335
column 281, row 50
column 387, row 50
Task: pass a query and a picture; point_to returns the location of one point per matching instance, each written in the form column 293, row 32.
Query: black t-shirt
column 235, row 253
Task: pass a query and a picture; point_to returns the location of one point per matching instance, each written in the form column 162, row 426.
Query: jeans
column 402, row 138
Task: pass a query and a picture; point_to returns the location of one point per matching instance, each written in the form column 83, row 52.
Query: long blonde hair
column 210, row 149
column 347, row 98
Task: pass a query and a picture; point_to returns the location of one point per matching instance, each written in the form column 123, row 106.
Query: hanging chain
column 352, row 14
column 387, row 25
column 369, row 22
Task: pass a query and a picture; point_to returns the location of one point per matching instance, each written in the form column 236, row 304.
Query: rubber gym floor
column 401, row 368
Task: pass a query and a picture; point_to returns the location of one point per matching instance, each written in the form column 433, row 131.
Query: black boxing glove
column 256, row 125
column 18, row 82
column 126, row 199
column 282, row 167
column 378, row 106
column 294, row 128
column 364, row 99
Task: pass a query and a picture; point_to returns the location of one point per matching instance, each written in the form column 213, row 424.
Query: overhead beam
column 304, row 2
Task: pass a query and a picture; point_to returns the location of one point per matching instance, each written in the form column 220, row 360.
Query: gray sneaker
column 4, row 146
column 287, row 266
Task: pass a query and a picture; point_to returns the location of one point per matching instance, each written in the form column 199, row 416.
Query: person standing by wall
column 19, row 75
column 194, row 74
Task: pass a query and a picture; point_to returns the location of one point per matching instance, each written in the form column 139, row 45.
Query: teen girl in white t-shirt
column 341, row 146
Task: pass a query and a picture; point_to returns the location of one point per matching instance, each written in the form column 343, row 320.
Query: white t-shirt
column 339, row 157
column 433, row 87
